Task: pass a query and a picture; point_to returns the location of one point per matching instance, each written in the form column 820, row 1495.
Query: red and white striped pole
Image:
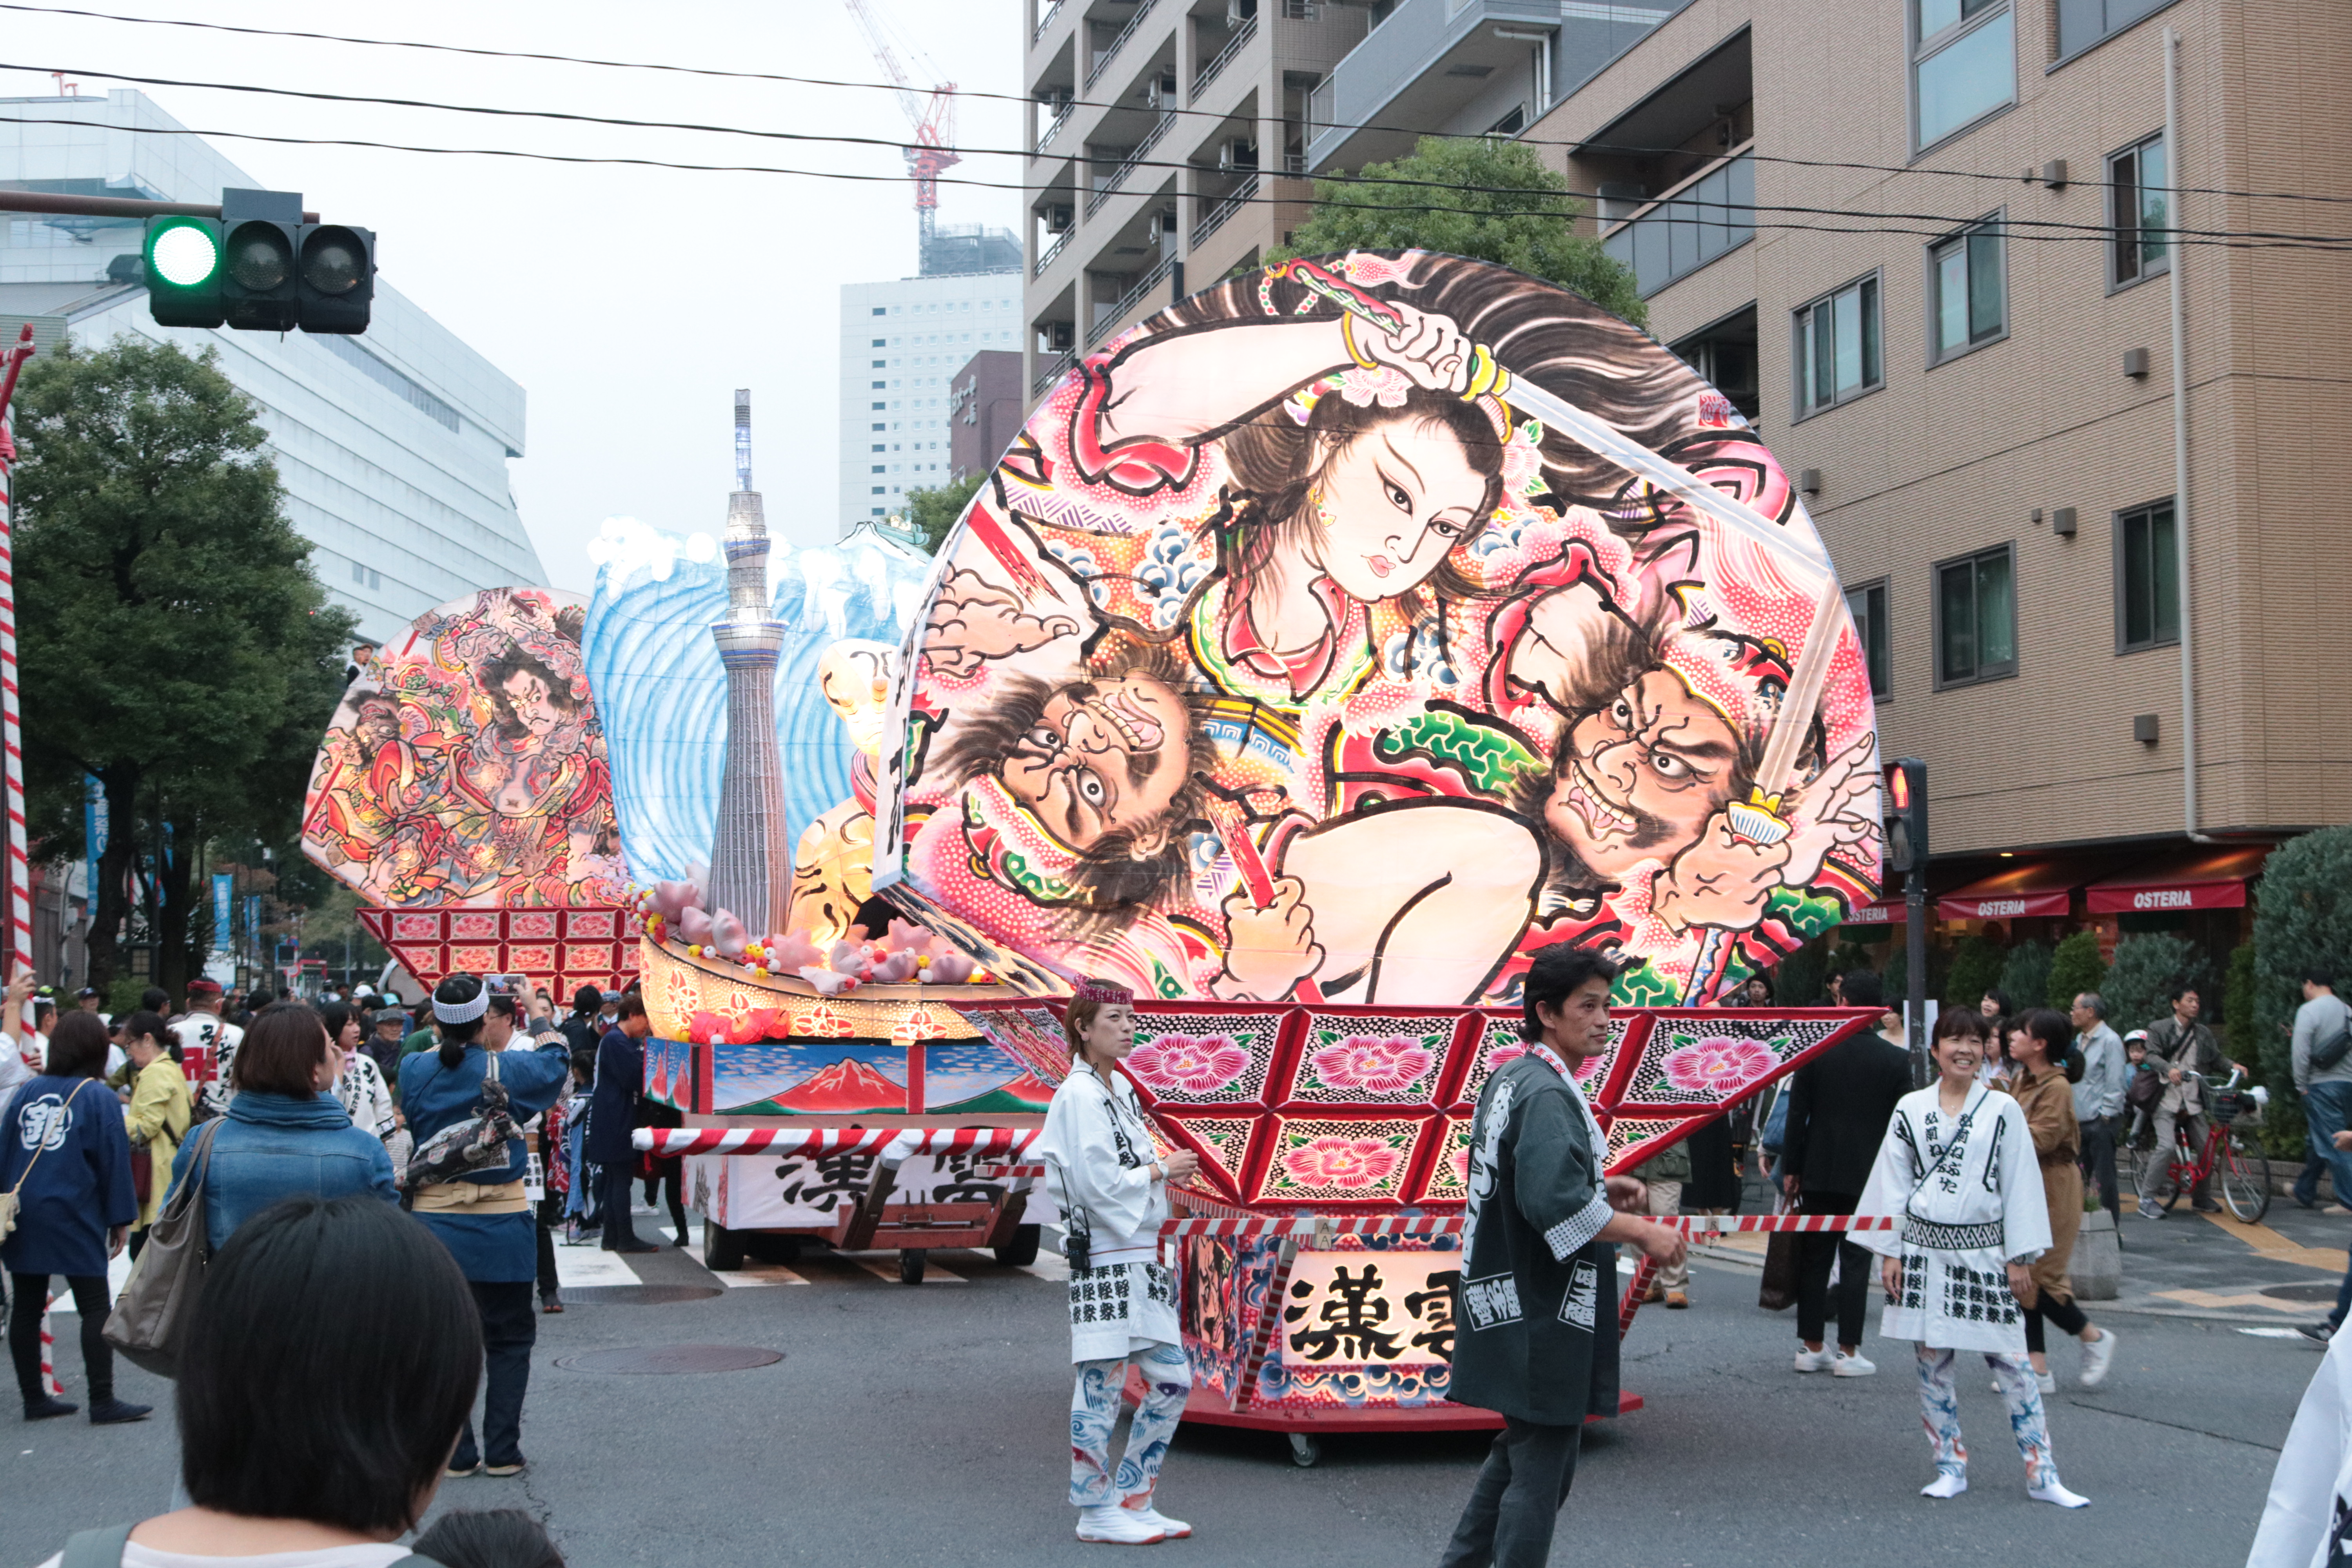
column 19, row 930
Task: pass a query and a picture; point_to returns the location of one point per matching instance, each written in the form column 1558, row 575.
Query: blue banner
column 223, row 900
column 93, row 817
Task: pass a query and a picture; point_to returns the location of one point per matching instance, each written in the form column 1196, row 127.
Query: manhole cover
column 2301, row 1292
column 639, row 1295
column 670, row 1361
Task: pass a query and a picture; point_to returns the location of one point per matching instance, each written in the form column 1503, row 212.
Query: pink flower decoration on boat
column 1195, row 1063
column 1718, row 1066
column 1501, row 1054
column 1364, row 1061
column 1385, row 382
column 1344, row 1162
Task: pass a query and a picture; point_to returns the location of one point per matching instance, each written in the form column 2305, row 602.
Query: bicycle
column 2244, row 1172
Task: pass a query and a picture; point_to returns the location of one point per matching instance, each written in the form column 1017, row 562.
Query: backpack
column 2326, row 1057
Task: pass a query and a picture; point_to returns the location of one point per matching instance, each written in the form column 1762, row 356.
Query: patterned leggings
column 1939, row 1408
column 1094, row 1410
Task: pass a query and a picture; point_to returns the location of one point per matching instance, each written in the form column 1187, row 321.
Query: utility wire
column 1943, row 231
column 1622, row 150
column 1947, row 222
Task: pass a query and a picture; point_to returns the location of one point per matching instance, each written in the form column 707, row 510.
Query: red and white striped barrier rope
column 49, row 1379
column 893, row 1143
column 12, row 737
column 1722, row 1223
column 1447, row 1225
column 1008, row 1172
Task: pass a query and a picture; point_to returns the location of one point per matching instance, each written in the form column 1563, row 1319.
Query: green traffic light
column 183, row 255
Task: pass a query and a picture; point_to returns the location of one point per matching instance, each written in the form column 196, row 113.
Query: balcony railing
column 1102, row 60
column 1225, row 208
column 1225, row 57
column 1054, row 371
column 1105, row 319
column 1135, row 154
column 1045, row 20
column 1682, row 231
column 1053, row 249
column 1052, row 128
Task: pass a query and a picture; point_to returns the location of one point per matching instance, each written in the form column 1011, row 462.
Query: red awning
column 1885, row 912
column 2210, row 880
column 2035, row 888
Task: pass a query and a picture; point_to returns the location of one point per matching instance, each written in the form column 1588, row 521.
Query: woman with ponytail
column 482, row 1215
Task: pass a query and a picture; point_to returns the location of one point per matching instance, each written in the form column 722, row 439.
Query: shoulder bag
column 150, row 1319
column 2326, row 1057
column 9, row 1202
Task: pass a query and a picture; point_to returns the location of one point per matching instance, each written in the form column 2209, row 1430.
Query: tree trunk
column 175, row 879
column 112, row 906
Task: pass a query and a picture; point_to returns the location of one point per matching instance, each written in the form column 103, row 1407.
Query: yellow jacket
column 157, row 1119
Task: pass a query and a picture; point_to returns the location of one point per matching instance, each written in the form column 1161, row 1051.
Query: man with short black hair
column 2322, row 1057
column 2099, row 1097
column 1838, row 1107
column 613, row 1118
column 2182, row 1048
column 1536, row 1331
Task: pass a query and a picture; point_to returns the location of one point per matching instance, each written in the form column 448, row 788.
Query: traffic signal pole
column 1914, row 943
column 107, row 206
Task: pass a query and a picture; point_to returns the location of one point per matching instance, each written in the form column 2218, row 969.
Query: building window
column 2137, row 183
column 1836, row 354
column 2148, row 577
column 877, row 489
column 1511, row 124
column 1976, row 618
column 1724, row 354
column 1963, row 64
column 1968, row 292
column 879, row 309
column 1867, row 605
column 2082, row 23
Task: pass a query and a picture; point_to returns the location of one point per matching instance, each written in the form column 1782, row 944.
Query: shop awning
column 1885, row 912
column 2034, row 888
column 2208, row 880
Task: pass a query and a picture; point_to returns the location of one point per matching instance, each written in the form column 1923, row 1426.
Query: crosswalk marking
column 882, row 1268
column 583, row 1267
column 750, row 1276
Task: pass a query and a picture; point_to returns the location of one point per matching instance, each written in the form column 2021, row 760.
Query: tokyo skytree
column 751, row 860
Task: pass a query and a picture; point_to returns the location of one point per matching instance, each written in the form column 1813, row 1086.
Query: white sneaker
column 2047, row 1382
column 1174, row 1528
column 1109, row 1523
column 1813, row 1360
column 1946, row 1484
column 1854, row 1365
column 2058, row 1494
column 2098, row 1357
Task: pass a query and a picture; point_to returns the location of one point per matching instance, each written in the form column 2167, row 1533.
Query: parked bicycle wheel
column 2245, row 1178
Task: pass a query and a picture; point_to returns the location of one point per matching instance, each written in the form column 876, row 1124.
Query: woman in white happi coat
column 1112, row 1188
column 1958, row 1174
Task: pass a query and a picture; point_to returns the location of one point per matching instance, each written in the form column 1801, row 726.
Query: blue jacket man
column 613, row 1117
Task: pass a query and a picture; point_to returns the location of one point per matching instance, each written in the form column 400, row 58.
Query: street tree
column 175, row 643
column 2077, row 967
column 1495, row 200
column 932, row 509
column 2303, row 921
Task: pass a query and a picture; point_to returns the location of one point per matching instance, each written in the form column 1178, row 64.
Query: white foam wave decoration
column 663, row 695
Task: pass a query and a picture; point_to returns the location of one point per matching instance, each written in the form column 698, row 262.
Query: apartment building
column 902, row 343
column 1920, row 243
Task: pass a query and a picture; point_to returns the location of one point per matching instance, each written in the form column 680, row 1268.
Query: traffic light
column 183, row 258
column 337, row 276
column 1907, row 814
column 260, row 267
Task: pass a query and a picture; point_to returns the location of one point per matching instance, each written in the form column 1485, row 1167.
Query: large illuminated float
column 1323, row 647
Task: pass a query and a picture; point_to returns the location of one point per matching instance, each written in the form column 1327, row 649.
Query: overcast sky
column 630, row 304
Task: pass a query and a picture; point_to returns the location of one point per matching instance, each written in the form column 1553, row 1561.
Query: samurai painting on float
column 467, row 765
column 1355, row 628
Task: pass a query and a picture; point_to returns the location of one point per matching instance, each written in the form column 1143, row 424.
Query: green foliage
column 174, row 641
column 2074, row 968
column 122, row 996
column 1523, row 220
column 2239, row 1037
column 1801, row 979
column 2146, row 967
column 932, row 511
column 2303, row 919
column 2026, row 975
column 1977, row 963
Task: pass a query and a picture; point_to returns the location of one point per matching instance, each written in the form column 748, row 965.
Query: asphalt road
column 924, row 1425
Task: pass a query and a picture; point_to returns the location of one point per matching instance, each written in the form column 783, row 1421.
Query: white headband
column 462, row 1012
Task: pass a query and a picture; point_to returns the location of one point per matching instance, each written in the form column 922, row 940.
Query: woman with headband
column 481, row 1214
column 1113, row 1191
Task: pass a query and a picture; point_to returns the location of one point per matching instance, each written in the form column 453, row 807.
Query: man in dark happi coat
column 1536, row 1331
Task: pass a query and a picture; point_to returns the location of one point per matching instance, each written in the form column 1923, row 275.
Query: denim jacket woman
column 285, row 1132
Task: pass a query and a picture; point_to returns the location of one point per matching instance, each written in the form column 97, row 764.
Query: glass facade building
column 393, row 445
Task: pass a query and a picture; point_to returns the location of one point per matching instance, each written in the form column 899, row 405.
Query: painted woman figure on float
column 1283, row 653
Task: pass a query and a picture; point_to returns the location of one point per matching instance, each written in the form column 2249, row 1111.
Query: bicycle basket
column 2229, row 1104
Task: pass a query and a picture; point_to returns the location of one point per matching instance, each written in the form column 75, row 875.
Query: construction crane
column 929, row 110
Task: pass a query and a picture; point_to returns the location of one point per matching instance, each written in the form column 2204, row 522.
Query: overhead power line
column 1026, row 99
column 1943, row 228
column 1947, row 222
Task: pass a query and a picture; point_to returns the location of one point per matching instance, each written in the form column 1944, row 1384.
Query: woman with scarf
column 1113, row 1193
column 1958, row 1173
column 482, row 1215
